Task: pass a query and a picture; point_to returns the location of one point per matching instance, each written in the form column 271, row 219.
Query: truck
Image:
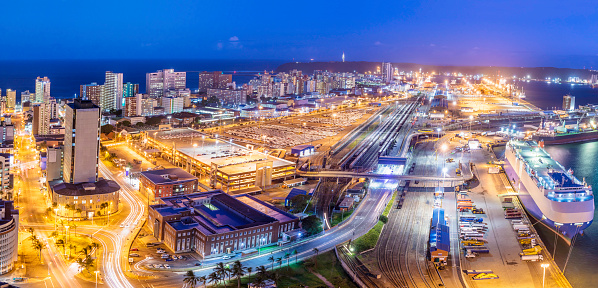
column 478, row 250
column 477, row 211
column 475, row 272
column 520, row 227
column 533, row 258
column 493, row 170
column 531, row 251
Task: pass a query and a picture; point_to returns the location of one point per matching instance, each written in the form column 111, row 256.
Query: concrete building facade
column 42, row 90
column 81, row 142
column 9, row 236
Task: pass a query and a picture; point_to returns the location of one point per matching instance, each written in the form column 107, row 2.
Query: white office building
column 112, row 93
column 81, row 142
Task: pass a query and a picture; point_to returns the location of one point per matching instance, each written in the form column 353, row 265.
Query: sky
column 498, row 33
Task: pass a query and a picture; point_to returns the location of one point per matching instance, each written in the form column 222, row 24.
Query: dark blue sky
column 506, row 33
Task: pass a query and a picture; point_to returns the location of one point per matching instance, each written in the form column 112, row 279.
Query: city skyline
column 462, row 33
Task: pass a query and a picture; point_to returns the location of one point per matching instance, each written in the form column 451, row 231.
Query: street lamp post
column 544, row 266
column 55, row 215
column 96, row 272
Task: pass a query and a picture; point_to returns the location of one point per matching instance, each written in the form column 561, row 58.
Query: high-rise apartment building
column 173, row 104
column 92, row 92
column 130, row 89
column 81, row 142
column 11, row 98
column 387, row 72
column 41, row 119
column 157, row 83
column 214, row 79
column 9, row 233
column 26, row 96
column 42, row 90
column 568, row 103
column 112, row 92
column 229, row 97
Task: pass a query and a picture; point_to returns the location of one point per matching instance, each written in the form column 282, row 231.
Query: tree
column 249, row 269
column 190, row 279
column 59, row 243
column 37, row 245
column 383, row 219
column 54, row 234
column 272, row 260
column 238, row 271
column 95, row 247
column 153, row 121
column 139, row 124
column 125, row 123
column 295, row 253
column 107, row 129
column 299, row 202
column 316, row 251
column 214, row 278
column 203, row 280
column 221, row 271
column 279, row 262
column 276, row 277
column 312, row 225
column 287, row 256
column 79, row 212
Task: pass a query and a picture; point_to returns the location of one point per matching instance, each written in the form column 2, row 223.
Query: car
column 226, row 257
column 197, row 264
column 133, row 255
column 160, row 251
column 122, row 225
column 164, row 256
column 169, row 259
column 134, row 249
column 166, row 266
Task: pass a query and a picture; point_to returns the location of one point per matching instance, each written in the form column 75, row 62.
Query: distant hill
column 362, row 66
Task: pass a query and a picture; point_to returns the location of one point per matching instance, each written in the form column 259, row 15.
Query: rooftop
column 216, row 212
column 168, row 176
column 103, row 186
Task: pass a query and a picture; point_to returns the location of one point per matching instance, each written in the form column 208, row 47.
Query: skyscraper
column 41, row 119
column 157, row 83
column 568, row 103
column 42, row 90
column 112, row 92
column 11, row 98
column 92, row 92
column 214, row 79
column 130, row 89
column 387, row 72
column 26, row 96
column 81, row 142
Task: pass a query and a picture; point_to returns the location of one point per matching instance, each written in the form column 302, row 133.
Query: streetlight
column 96, row 272
column 544, row 265
column 55, row 215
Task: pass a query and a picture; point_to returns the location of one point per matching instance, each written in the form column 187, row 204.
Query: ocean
column 67, row 75
column 583, row 159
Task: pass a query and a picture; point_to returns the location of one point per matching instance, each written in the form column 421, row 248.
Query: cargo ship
column 554, row 138
column 548, row 191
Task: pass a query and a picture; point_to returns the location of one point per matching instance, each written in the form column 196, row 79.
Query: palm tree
column 59, row 243
column 295, row 252
column 316, row 251
column 276, row 277
column 287, row 256
column 54, row 234
column 37, row 245
column 221, row 271
column 249, row 269
column 95, row 247
column 191, row 279
column 214, row 278
column 238, row 271
column 203, row 280
column 228, row 272
column 279, row 262
column 271, row 259
column 262, row 272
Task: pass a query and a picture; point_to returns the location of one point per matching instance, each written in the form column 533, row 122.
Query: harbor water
column 580, row 260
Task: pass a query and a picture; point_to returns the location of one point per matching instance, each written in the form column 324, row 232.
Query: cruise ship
column 549, row 192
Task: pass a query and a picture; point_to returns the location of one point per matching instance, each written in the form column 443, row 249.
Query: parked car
column 166, row 266
column 134, row 249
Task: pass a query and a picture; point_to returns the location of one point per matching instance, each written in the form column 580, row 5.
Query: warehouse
column 228, row 166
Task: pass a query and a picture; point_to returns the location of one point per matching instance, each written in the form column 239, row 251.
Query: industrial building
column 212, row 223
column 440, row 241
column 166, row 183
column 227, row 165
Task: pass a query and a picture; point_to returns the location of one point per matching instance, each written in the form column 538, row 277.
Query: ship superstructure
column 548, row 191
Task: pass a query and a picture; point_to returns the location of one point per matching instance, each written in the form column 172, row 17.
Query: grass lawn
column 369, row 240
column 338, row 217
column 298, row 275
